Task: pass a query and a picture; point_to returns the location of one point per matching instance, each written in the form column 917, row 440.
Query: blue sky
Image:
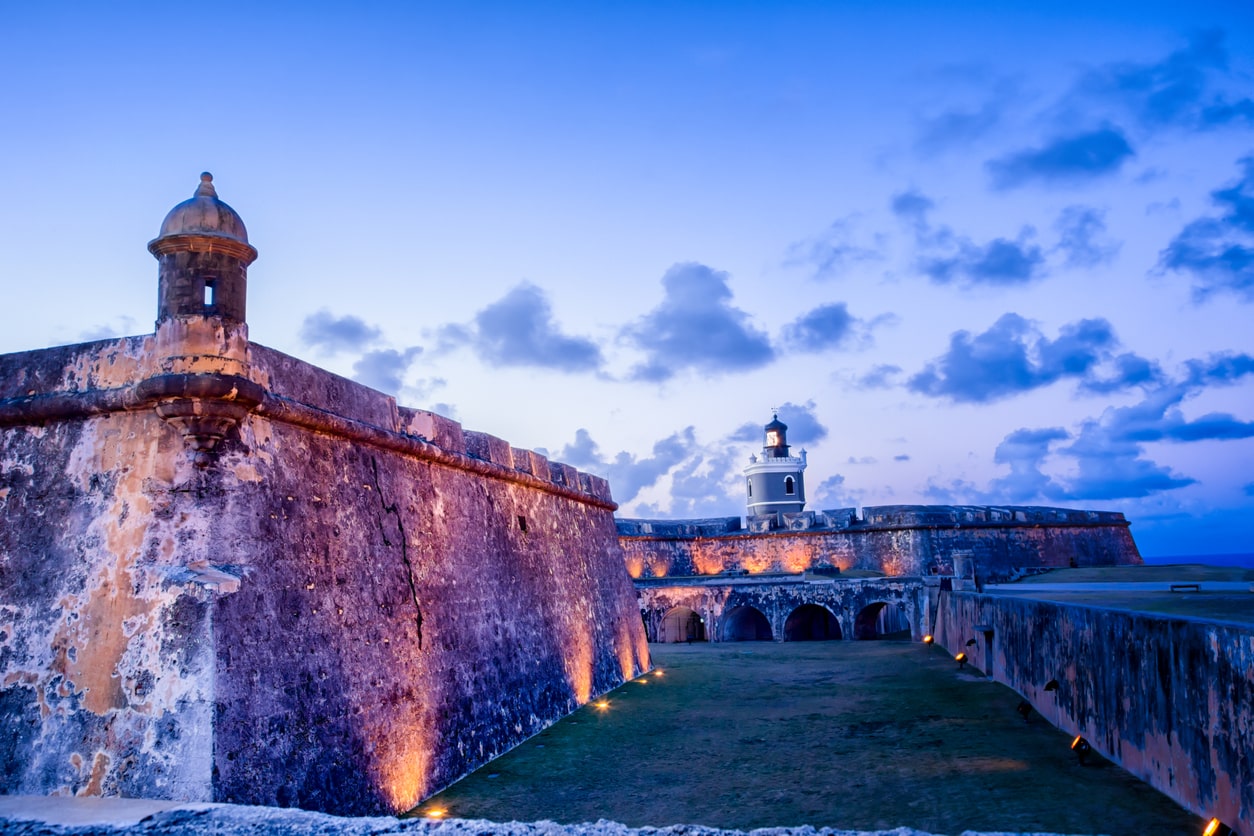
column 985, row 255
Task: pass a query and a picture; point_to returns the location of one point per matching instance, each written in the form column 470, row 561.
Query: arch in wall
column 681, row 624
column 809, row 623
column 882, row 620
column 746, row 624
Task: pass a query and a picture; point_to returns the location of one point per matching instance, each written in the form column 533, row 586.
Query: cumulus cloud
column 835, row 251
column 1012, row 357
column 384, row 369
column 1217, row 251
column 519, row 330
column 825, row 327
column 1106, row 459
column 1180, row 90
column 1075, row 158
column 1082, row 237
column 628, row 474
column 333, row 334
column 696, row 328
column 946, row 257
column 804, row 426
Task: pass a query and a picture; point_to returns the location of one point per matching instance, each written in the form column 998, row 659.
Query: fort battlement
column 1000, row 540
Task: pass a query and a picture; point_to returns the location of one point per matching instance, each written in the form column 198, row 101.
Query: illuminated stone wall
column 895, row 540
column 350, row 607
column 1171, row 700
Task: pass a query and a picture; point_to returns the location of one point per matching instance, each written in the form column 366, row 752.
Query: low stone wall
column 895, row 540
column 1171, row 700
column 345, row 606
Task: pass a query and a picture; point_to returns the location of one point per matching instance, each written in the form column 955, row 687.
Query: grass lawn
column 864, row 735
column 1160, row 573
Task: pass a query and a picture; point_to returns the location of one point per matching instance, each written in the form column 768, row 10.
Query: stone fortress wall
column 1173, row 705
column 918, row 540
column 226, row 574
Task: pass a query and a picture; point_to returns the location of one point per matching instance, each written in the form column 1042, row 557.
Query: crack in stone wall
column 393, row 510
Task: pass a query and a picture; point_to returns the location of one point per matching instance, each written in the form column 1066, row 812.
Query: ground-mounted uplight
column 1025, row 710
column 961, row 659
column 928, row 639
column 1082, row 748
column 658, row 672
column 435, row 813
column 1215, row 827
column 601, row 705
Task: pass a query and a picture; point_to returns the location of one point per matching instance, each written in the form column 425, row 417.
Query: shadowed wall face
column 1168, row 699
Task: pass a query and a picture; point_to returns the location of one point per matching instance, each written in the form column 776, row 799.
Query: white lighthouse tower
column 775, row 483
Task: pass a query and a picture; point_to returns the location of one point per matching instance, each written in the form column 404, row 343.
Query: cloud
column 804, row 426
column 946, row 257
column 518, row 330
column 1012, row 357
column 912, row 206
column 999, row 262
column 834, row 253
column 959, row 128
column 1081, row 231
column 1024, row 451
column 825, row 327
column 700, row 485
column 384, row 369
column 696, row 328
column 1129, row 370
column 119, row 327
column 879, row 377
column 333, row 334
column 627, row 474
column 1218, row 251
column 1176, row 91
column 1106, row 458
column 1070, row 159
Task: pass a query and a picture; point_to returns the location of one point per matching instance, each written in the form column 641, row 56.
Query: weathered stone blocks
column 344, row 611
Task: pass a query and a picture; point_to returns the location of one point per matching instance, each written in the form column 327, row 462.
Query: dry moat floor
column 861, row 735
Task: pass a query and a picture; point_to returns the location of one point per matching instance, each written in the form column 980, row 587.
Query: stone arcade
column 226, row 574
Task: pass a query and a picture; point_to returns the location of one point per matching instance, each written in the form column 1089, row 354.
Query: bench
column 1186, row 587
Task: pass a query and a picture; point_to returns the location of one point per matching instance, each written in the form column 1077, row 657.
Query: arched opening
column 882, row 620
column 790, row 486
column 681, row 624
column 746, row 624
column 811, row 623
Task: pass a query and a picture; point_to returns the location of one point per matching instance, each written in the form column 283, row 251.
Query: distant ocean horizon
column 1245, row 560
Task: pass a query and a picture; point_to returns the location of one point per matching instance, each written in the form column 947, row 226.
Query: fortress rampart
column 999, row 541
column 1172, row 705
column 228, row 575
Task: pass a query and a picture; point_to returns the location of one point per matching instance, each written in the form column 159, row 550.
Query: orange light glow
column 961, row 657
column 436, row 813
column 1212, row 827
column 928, row 639
column 1076, row 742
column 602, row 704
column 657, row 672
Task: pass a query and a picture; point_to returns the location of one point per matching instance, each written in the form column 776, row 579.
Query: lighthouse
column 774, row 482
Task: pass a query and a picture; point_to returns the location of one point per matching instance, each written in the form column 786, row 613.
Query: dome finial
column 206, row 188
